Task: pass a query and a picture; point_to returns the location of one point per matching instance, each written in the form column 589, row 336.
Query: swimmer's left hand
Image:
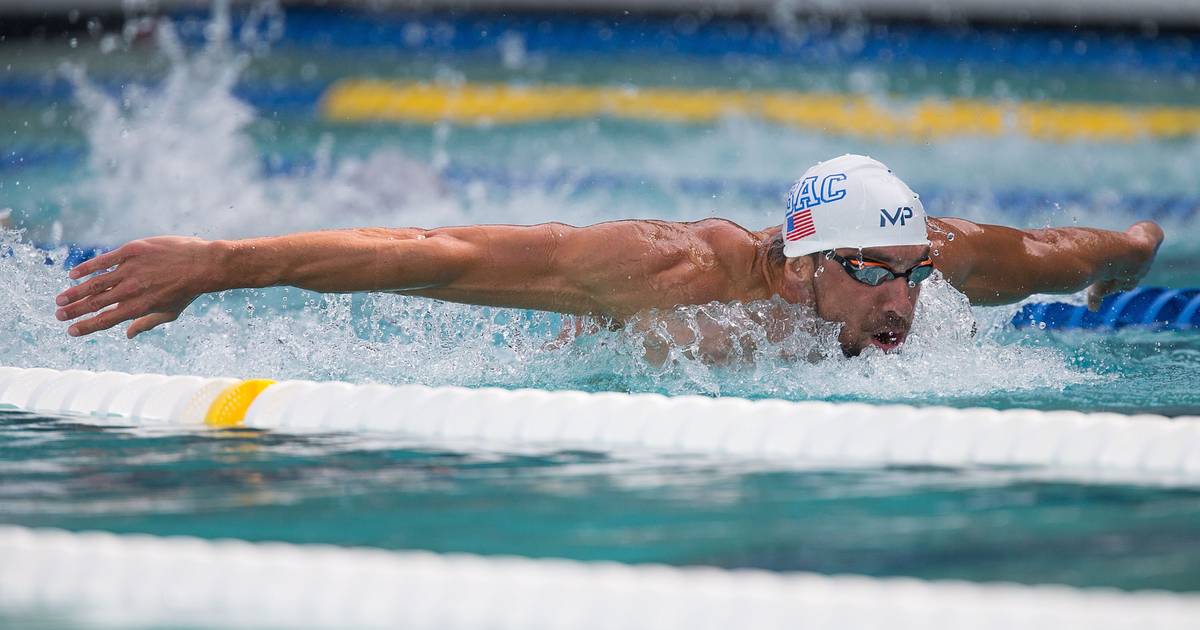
column 1144, row 238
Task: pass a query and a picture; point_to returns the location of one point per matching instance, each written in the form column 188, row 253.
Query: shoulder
column 941, row 227
column 955, row 244
column 732, row 248
column 724, row 237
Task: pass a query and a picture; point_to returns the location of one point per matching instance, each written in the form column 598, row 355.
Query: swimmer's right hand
column 1130, row 264
column 149, row 281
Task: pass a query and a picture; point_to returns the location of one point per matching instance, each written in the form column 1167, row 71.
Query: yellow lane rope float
column 229, row 408
column 841, row 114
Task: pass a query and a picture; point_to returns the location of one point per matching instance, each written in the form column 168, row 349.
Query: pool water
column 352, row 490
column 157, row 136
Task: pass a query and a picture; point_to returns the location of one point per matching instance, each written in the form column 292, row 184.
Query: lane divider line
column 139, row 580
column 359, row 100
column 1103, row 447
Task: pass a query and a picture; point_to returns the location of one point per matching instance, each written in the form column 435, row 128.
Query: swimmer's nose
column 898, row 300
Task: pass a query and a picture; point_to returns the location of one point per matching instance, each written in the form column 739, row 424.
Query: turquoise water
column 189, row 156
column 929, row 523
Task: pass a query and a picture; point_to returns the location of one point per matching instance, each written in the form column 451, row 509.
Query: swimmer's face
column 879, row 316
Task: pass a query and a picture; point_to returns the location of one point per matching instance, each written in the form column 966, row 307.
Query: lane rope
column 127, row 580
column 360, row 100
column 1103, row 447
column 1152, row 307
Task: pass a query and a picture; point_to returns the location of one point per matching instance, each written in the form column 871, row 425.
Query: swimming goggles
column 874, row 273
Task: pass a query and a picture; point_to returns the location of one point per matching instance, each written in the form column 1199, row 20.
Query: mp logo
column 902, row 214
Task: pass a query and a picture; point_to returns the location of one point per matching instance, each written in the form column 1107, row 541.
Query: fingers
column 1097, row 292
column 92, row 303
column 99, row 263
column 124, row 311
column 97, row 284
column 142, row 324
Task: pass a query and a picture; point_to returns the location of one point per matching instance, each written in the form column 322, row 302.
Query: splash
column 394, row 339
column 186, row 157
column 947, row 355
column 182, row 158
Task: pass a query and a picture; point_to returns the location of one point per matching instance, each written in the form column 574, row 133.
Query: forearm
column 1071, row 259
column 994, row 264
column 375, row 259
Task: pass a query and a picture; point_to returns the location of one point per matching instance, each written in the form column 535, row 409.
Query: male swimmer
column 855, row 246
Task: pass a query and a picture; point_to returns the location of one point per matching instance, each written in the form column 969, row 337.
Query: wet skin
column 879, row 316
column 614, row 270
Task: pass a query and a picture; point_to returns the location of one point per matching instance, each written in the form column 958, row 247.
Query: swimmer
column 855, row 246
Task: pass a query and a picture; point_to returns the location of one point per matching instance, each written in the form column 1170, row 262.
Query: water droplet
column 911, row 284
column 1042, row 325
column 936, row 252
column 949, row 236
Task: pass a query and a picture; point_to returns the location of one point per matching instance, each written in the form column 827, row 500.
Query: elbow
column 441, row 258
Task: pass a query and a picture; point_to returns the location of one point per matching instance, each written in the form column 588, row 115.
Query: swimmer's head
column 849, row 213
column 851, row 201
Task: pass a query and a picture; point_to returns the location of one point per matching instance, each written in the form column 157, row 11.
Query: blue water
column 194, row 144
column 929, row 522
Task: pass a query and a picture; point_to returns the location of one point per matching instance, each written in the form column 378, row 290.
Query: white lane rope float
column 137, row 580
column 1103, row 446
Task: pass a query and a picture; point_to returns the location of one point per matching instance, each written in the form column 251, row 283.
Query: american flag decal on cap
column 799, row 225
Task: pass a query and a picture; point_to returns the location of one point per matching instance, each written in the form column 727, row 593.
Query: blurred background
column 118, row 116
column 226, row 119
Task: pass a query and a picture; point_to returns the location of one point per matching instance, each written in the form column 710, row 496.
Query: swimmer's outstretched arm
column 612, row 269
column 993, row 264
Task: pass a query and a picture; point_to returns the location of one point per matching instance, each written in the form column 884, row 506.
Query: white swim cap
column 851, row 201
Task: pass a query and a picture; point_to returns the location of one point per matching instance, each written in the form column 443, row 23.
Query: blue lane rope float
column 1162, row 308
column 1155, row 307
column 557, row 34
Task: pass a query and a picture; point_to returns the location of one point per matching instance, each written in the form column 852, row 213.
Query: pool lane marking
column 123, row 580
column 1082, row 447
column 359, row 100
column 229, row 408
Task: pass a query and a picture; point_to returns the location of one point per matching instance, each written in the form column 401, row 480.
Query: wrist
column 252, row 263
column 220, row 260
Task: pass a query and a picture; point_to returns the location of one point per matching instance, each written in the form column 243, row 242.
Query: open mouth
column 887, row 340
